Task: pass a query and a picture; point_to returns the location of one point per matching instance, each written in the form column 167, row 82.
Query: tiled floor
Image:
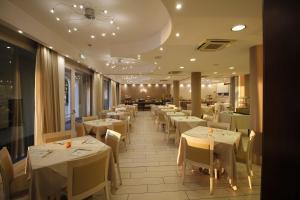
column 149, row 171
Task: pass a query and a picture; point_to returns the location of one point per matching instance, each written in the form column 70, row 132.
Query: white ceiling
column 144, row 27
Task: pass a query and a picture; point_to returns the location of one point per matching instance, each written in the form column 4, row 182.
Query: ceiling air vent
column 174, row 72
column 214, row 44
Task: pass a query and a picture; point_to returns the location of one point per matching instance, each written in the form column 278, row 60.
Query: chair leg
column 107, row 191
column 183, row 173
column 119, row 172
column 211, row 184
column 250, row 182
column 216, row 173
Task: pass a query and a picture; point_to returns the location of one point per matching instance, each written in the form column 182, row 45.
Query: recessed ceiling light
column 8, row 47
column 181, row 67
column 52, row 10
column 149, row 85
column 161, row 49
column 92, row 36
column 69, row 30
column 57, row 19
column 105, row 11
column 51, row 47
column 111, row 21
column 193, row 59
column 233, row 73
column 181, row 85
column 67, row 55
column 19, row 31
column 238, row 27
column 178, row 6
column 103, row 34
column 81, row 6
column 133, row 85
column 215, row 72
column 164, row 85
column 209, row 85
column 155, row 63
column 203, row 85
column 231, row 67
column 113, row 34
column 118, row 28
column 74, row 6
column 75, row 29
column 158, row 67
column 107, row 64
column 177, row 34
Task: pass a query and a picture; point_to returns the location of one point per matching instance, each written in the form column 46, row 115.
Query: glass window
column 106, row 93
column 17, row 69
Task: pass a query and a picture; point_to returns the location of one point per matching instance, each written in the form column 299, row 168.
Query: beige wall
column 144, row 91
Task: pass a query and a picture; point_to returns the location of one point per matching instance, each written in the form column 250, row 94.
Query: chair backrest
column 87, row 176
column 219, row 125
column 187, row 112
column 199, row 150
column 120, row 127
column 112, row 139
column 6, row 171
column 56, row 136
column 80, row 130
column 250, row 147
column 167, row 120
column 89, row 118
column 161, row 117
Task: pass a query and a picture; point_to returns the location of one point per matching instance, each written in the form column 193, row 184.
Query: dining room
column 142, row 100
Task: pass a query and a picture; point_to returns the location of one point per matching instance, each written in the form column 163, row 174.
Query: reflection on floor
column 149, row 171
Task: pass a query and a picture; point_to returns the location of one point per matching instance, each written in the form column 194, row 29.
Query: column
column 196, row 93
column 176, row 92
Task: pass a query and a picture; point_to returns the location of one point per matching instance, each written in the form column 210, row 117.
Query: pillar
column 196, row 93
column 176, row 92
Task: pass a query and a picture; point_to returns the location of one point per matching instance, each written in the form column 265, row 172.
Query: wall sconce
column 188, row 85
column 181, row 85
column 164, row 85
column 149, row 85
column 143, row 90
column 133, row 85
column 141, row 85
column 156, row 85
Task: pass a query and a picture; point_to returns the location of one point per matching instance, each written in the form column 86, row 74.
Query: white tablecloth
column 226, row 143
column 175, row 114
column 237, row 121
column 47, row 164
column 99, row 126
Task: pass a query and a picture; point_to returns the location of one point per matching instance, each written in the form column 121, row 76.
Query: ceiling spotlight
column 209, row 85
column 156, row 85
column 57, row 19
column 161, row 49
column 133, row 85
column 103, row 34
column 81, row 6
column 164, row 85
column 105, row 11
column 193, row 59
column 111, row 21
column 181, row 85
column 181, row 67
column 141, row 85
column 67, row 55
column 51, row 47
column 215, row 72
column 52, row 10
column 113, row 34
column 8, row 47
column 19, row 31
column 231, row 68
column 238, row 27
column 177, row 34
column 75, row 29
column 149, row 85
column 155, row 63
column 107, row 64
column 202, row 85
column 69, row 30
column 82, row 56
column 188, row 85
column 118, row 28
column 178, row 6
column 233, row 73
column 92, row 36
column 113, row 66
column 74, row 6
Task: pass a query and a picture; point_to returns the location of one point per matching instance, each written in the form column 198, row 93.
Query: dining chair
column 80, row 130
column 120, row 127
column 103, row 114
column 246, row 156
column 219, row 125
column 88, row 175
column 89, row 118
column 112, row 139
column 126, row 117
column 169, row 128
column 13, row 186
column 200, row 153
column 160, row 119
column 56, row 136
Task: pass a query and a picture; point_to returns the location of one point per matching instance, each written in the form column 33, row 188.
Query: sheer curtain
column 97, row 93
column 113, row 93
column 47, row 106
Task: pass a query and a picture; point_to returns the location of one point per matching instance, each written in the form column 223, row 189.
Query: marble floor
column 149, row 171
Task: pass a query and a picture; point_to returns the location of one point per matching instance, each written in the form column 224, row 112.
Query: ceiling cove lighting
column 178, row 6
column 193, row 59
column 238, row 27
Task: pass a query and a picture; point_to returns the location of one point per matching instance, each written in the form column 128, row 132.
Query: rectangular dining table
column 99, row 126
column 225, row 146
column 47, row 164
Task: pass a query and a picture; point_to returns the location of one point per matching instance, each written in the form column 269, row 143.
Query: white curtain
column 97, row 93
column 47, row 105
column 113, row 93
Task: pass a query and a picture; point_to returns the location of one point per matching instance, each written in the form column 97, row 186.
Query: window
column 17, row 69
column 106, row 93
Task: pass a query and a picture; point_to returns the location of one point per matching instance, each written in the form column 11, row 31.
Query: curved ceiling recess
column 93, row 32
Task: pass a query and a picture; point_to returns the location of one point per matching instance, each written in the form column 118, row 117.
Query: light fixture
column 125, row 85
column 188, row 85
column 19, row 31
column 178, row 6
column 81, row 6
column 107, row 64
column 158, row 67
column 82, row 56
column 67, row 55
column 103, row 34
column 233, row 73
column 111, row 21
column 177, row 34
column 203, row 86
column 215, row 72
column 92, row 36
column 113, row 34
column 231, row 68
column 161, row 49
column 181, row 67
column 155, row 63
column 8, row 47
column 75, row 29
column 238, row 27
column 181, row 85
column 105, row 11
column 141, row 85
column 57, row 19
column 51, row 47
column 133, row 85
column 74, row 6
column 52, row 10
column 209, row 85
column 164, row 85
column 118, row 27
column 156, row 85
column 149, row 85
column 193, row 59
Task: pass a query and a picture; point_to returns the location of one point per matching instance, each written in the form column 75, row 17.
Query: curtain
column 47, row 106
column 97, row 93
column 17, row 118
column 113, row 93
